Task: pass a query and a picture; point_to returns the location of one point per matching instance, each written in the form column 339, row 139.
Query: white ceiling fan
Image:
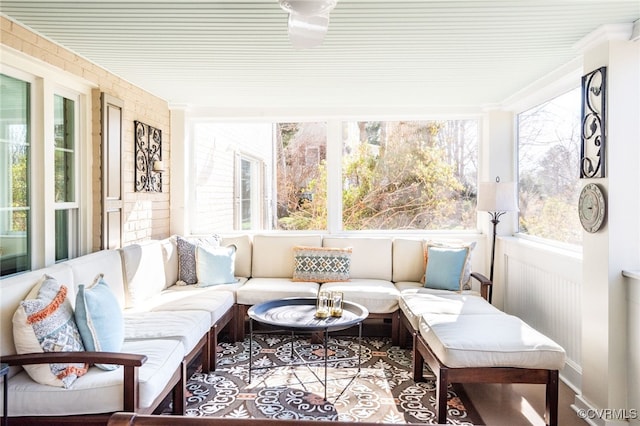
column 308, row 21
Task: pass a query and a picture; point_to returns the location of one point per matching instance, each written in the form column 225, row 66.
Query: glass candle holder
column 336, row 303
column 322, row 305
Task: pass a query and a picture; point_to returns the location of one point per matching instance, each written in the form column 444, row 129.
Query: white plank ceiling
column 236, row 54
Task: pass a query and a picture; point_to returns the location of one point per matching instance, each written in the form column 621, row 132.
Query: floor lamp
column 497, row 198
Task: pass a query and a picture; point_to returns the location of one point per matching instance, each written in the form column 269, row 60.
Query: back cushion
column 243, row 253
column 170, row 255
column 408, row 260
column 370, row 257
column 106, row 262
column 273, row 254
column 143, row 271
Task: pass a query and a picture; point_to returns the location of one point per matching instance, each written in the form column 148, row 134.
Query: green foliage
column 559, row 212
column 287, row 131
column 407, row 188
column 401, row 181
column 19, row 186
column 310, row 214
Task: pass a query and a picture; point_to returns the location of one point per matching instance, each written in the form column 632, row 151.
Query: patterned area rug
column 382, row 391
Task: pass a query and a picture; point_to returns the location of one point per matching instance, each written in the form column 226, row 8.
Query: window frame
column 256, row 194
column 46, row 81
column 71, row 207
column 557, row 85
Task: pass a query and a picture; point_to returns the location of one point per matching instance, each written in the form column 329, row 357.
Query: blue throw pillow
column 215, row 265
column 99, row 319
column 446, row 267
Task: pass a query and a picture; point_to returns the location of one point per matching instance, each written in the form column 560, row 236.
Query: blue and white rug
column 383, row 391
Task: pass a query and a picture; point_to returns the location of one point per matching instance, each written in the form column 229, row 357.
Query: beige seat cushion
column 415, row 304
column 98, row 391
column 378, row 296
column 411, row 287
column 258, row 290
column 186, row 326
column 494, row 340
column 179, row 291
column 215, row 303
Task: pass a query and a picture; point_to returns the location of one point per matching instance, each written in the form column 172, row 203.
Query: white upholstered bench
column 486, row 348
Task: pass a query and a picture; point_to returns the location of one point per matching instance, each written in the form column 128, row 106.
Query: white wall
column 212, row 174
column 605, row 369
column 616, row 246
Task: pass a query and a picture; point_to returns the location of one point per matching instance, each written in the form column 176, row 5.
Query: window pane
column 548, row 167
column 64, row 132
column 14, row 176
column 410, row 175
column 62, row 235
column 302, row 179
column 245, row 194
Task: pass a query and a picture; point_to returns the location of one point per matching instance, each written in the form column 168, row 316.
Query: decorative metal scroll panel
column 593, row 133
column 148, row 151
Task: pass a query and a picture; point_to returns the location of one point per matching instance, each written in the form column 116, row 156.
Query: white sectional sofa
column 167, row 325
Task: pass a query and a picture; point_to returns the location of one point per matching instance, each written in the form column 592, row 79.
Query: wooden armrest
column 125, row 359
column 486, row 286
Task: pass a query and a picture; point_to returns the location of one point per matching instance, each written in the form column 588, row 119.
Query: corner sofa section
column 166, row 326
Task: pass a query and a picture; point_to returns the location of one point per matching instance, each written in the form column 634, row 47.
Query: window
column 40, row 191
column 249, row 190
column 15, row 151
column 66, row 207
column 409, row 175
column 414, row 175
column 301, row 176
column 548, row 169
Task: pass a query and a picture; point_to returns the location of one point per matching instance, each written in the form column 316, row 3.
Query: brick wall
column 146, row 215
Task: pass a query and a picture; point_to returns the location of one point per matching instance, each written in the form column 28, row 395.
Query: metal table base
column 306, row 363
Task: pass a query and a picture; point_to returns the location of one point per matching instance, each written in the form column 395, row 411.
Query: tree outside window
column 548, row 168
column 396, row 175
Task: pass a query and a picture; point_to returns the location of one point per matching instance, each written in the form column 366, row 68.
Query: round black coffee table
column 297, row 315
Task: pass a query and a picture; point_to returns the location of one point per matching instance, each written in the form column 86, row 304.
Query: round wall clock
column 591, row 207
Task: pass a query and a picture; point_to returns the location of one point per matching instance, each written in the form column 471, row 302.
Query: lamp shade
column 497, row 196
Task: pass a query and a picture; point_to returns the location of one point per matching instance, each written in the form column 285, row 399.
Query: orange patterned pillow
column 44, row 322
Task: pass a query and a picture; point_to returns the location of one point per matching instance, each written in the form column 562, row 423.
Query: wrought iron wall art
column 148, row 152
column 593, row 133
